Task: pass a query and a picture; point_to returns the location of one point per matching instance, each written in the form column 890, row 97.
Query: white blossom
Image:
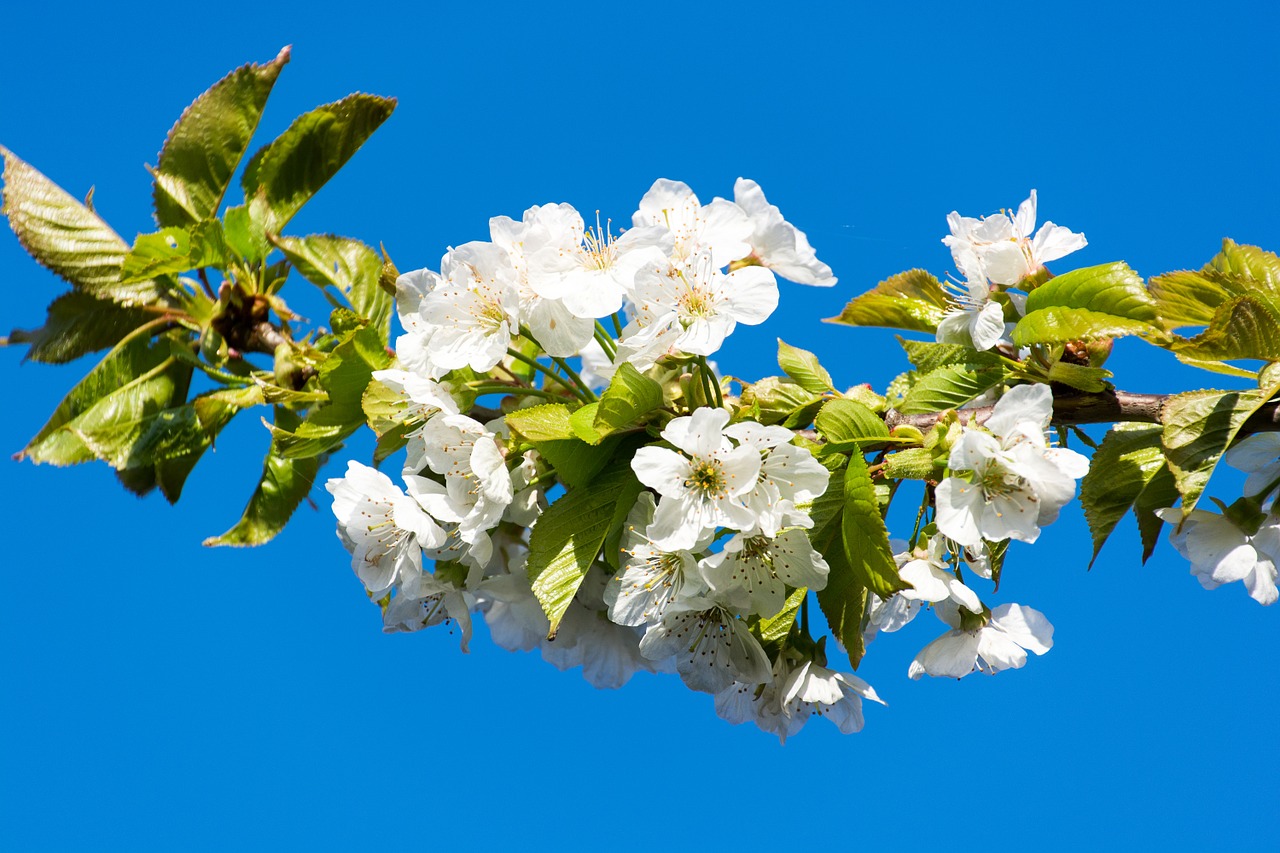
column 384, row 529
column 649, row 578
column 1259, row 456
column 423, row 601
column 608, row 653
column 422, row 398
column 1017, row 482
column 1220, row 552
column 751, row 573
column 544, row 228
column 469, row 320
column 776, row 243
column 1004, row 244
column 1000, row 644
column 711, row 646
column 789, row 476
column 693, row 308
column 720, row 228
column 835, row 695
column 933, row 581
column 701, row 485
column 975, row 318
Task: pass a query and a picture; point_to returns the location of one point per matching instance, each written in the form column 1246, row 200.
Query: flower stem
column 606, row 342
column 711, row 382
column 533, row 362
column 617, row 325
column 585, row 393
column 514, row 390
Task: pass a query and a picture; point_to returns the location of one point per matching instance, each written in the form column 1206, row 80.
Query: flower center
column 706, row 477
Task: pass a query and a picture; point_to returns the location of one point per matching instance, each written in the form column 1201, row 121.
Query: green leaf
column 282, row 488
column 911, row 300
column 847, row 425
column 1079, row 376
column 630, row 396
column 1198, row 428
column 1251, row 264
column 1242, row 327
column 246, row 234
column 569, row 535
column 537, row 424
column 583, row 424
column 77, row 324
column 66, row 237
column 1186, row 298
column 928, row 357
column 349, row 265
column 773, row 400
column 777, row 627
column 1161, row 492
column 866, row 541
column 206, row 144
column 949, row 387
column 285, row 174
column 1122, row 467
column 844, row 602
column 121, row 366
column 1105, row 301
column 804, row 368
column 175, row 250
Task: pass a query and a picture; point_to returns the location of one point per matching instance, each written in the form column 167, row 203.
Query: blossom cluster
column 712, row 570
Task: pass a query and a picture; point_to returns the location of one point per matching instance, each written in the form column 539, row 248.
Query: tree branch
column 1103, row 408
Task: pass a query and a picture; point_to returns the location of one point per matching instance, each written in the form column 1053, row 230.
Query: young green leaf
column 1122, row 468
column 1241, row 327
column 927, row 356
column 630, row 396
column 847, row 425
column 283, row 486
column 911, row 300
column 349, row 265
column 77, row 324
column 949, row 387
column 804, row 369
column 66, row 237
column 866, row 541
column 1198, row 428
column 773, row 400
column 175, row 250
column 569, row 535
column 1105, row 301
column 537, row 424
column 844, row 602
column 284, row 175
column 206, row 144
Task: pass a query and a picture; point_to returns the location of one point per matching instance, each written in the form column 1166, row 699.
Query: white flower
column 1004, row 244
column 789, row 475
column 752, row 573
column 527, row 501
column 477, row 487
column 608, row 653
column 835, row 695
column 545, row 228
column 1018, row 483
column 702, row 486
column 471, row 319
column 412, row 346
column 711, row 646
column 975, row 319
column 515, row 618
column 421, row 397
column 776, row 243
column 423, row 601
column 650, row 578
column 931, row 579
column 384, row 529
column 693, row 309
column 1002, row 643
column 1259, row 456
column 591, row 271
column 1220, row 552
column 722, row 228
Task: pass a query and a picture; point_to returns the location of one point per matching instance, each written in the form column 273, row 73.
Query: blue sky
column 157, row 695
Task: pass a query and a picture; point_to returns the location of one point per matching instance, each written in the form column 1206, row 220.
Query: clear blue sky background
column 157, row 695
